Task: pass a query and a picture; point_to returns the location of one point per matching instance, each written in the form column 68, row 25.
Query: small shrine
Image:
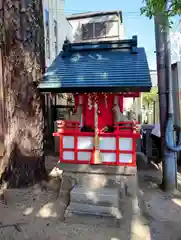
column 99, row 76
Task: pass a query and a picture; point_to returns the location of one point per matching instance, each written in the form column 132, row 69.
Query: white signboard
column 175, row 38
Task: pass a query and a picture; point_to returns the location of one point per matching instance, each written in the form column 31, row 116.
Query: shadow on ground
column 161, row 209
column 38, row 212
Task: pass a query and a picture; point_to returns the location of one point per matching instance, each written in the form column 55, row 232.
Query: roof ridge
column 93, row 13
column 130, row 44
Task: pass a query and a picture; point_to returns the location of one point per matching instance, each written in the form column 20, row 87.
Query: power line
column 80, row 11
column 85, row 11
column 126, row 15
column 76, row 11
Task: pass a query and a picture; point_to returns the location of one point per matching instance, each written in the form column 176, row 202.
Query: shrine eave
column 111, row 66
column 110, row 89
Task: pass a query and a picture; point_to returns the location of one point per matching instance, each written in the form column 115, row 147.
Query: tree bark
column 22, row 43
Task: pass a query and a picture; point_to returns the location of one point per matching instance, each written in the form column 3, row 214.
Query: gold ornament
column 97, row 155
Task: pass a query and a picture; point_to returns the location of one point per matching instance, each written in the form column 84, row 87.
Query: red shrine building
column 99, row 76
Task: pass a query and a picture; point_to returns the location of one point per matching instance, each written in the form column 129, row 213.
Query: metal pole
column 162, row 84
column 169, row 182
column 154, row 112
column 170, row 161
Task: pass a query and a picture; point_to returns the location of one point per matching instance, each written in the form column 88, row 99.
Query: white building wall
column 115, row 32
column 154, row 78
column 64, row 29
column 176, row 81
column 175, row 39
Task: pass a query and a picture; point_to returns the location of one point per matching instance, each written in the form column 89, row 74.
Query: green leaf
column 152, row 7
column 150, row 97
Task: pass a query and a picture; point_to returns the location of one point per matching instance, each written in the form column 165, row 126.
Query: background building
column 57, row 28
column 150, row 102
column 97, row 26
column 146, row 107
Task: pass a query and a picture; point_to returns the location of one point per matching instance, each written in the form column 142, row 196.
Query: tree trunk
column 22, row 42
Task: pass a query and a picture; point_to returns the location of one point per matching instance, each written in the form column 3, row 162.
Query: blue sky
column 134, row 23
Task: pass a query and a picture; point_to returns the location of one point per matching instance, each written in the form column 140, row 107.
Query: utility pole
column 169, row 182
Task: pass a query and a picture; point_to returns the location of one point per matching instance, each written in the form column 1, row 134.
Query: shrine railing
column 116, row 148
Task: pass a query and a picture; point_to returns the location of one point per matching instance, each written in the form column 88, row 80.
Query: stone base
column 103, row 191
column 97, row 169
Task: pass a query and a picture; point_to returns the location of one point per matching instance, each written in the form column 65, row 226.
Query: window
column 56, row 37
column 112, row 28
column 47, row 42
column 47, row 34
column 87, row 31
column 99, row 29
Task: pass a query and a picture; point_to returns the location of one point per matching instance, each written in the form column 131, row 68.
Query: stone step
column 94, row 210
column 91, row 220
column 98, row 180
column 102, row 196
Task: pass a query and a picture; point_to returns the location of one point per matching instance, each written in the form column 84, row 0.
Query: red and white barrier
column 117, row 148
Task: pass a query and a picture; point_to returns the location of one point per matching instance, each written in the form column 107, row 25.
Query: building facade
column 143, row 112
column 175, row 40
column 97, row 26
column 56, row 28
column 150, row 102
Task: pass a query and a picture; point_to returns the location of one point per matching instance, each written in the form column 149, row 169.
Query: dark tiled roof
column 109, row 66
